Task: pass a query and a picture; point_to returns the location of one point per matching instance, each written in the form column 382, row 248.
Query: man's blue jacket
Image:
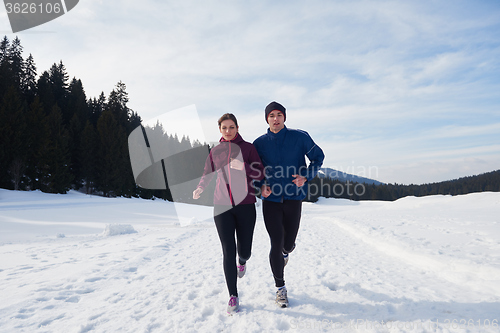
column 283, row 155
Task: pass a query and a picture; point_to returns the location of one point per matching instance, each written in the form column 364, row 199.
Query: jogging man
column 283, row 151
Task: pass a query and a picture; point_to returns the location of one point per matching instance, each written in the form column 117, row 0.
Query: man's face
column 276, row 121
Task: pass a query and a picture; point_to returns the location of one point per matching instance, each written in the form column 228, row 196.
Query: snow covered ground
column 76, row 263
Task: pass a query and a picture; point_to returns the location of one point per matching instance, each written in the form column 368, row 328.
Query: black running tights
column 282, row 221
column 240, row 220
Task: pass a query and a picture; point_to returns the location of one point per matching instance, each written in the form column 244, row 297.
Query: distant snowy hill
column 343, row 176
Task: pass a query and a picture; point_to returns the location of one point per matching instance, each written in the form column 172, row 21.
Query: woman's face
column 228, row 129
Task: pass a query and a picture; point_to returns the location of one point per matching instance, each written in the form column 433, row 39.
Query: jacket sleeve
column 315, row 154
column 260, row 181
column 208, row 172
column 254, row 169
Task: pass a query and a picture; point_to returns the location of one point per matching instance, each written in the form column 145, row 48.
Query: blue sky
column 399, row 91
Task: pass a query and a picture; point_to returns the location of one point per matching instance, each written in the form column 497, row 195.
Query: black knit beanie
column 275, row 106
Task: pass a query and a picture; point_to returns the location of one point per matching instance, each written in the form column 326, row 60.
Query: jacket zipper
column 229, row 171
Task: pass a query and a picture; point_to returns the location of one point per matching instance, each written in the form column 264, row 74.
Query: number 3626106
column 33, row 8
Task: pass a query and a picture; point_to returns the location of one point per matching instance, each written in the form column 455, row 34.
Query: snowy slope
column 346, row 177
column 74, row 263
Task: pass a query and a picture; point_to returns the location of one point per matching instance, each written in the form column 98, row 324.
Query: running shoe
column 285, row 258
column 241, row 270
column 233, row 305
column 281, row 297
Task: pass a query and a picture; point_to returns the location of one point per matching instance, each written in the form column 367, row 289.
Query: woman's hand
column 265, row 191
column 236, row 164
column 197, row 192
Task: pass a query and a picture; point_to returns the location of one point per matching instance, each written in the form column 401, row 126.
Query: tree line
column 53, row 138
column 333, row 188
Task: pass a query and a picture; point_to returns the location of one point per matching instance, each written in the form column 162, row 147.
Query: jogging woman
column 237, row 164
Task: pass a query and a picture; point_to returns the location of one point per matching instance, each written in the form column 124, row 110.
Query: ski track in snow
column 352, row 271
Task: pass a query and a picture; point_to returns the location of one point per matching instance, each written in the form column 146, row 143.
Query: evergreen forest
column 54, row 138
column 333, row 188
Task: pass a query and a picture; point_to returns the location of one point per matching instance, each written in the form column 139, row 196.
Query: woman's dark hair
column 227, row 116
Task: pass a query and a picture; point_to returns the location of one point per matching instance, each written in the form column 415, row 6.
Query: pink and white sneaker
column 233, row 305
column 241, row 270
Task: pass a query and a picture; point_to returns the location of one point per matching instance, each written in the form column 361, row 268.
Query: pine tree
column 74, row 143
column 16, row 63
column 56, row 176
column 5, row 72
column 44, row 90
column 4, row 53
column 38, row 140
column 185, row 143
column 77, row 101
column 88, row 158
column 29, row 85
column 96, row 107
column 117, row 104
column 77, row 105
column 110, row 157
column 12, row 134
column 58, row 78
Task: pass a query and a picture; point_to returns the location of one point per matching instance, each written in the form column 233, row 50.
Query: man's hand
column 299, row 180
column 265, row 190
